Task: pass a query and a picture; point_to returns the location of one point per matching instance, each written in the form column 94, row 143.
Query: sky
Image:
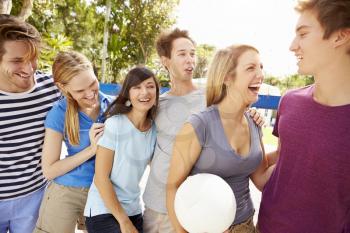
column 268, row 25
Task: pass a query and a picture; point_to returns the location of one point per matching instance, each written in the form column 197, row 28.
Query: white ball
column 205, row 203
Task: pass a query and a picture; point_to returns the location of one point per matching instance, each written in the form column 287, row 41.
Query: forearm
column 109, row 197
column 261, row 177
column 62, row 166
column 170, row 199
column 272, row 157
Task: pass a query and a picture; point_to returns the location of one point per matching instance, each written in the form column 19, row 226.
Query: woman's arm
column 52, row 165
column 103, row 168
column 186, row 151
column 263, row 172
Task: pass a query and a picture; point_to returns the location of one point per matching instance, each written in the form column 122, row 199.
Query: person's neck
column 181, row 88
column 231, row 109
column 92, row 112
column 139, row 119
column 332, row 86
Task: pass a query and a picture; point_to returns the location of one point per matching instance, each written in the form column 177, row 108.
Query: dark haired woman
column 123, row 153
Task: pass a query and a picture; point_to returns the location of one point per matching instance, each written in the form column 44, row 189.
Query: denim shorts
column 20, row 214
column 106, row 223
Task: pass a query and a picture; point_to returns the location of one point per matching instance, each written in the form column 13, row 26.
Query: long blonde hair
column 65, row 67
column 222, row 66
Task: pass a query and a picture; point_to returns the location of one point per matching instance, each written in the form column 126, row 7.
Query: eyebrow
column 251, row 63
column 184, row 50
column 17, row 59
column 301, row 27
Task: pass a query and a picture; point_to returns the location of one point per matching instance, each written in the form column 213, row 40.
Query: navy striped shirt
column 22, row 131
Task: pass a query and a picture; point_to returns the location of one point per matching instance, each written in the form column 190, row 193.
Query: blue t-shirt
column 133, row 150
column 82, row 175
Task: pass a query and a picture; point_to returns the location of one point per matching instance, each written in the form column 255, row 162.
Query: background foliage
column 132, row 29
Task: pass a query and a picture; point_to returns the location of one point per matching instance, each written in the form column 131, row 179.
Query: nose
column 293, row 45
column 190, row 58
column 260, row 74
column 144, row 90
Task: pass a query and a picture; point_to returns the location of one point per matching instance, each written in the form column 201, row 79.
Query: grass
column 268, row 138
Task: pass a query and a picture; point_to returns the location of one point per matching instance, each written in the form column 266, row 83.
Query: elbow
column 97, row 182
column 258, row 182
column 47, row 174
column 260, row 187
column 100, row 182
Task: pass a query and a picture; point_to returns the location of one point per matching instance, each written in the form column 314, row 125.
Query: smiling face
column 16, row 69
column 182, row 61
column 84, row 87
column 248, row 77
column 143, row 95
column 312, row 51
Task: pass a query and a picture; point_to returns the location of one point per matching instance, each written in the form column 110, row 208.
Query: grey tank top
column 217, row 157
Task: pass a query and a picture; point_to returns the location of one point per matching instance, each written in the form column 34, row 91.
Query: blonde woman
column 223, row 139
column 76, row 121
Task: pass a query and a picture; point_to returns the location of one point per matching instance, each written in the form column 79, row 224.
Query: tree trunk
column 5, row 6
column 26, row 10
column 105, row 42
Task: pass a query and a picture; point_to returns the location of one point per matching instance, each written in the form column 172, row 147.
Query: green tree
column 289, row 82
column 133, row 27
column 204, row 53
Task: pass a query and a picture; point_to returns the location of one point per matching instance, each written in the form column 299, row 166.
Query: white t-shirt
column 133, row 150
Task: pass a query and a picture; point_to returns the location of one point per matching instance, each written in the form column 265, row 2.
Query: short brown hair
column 165, row 40
column 13, row 29
column 331, row 14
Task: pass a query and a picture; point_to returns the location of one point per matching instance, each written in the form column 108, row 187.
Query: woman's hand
column 128, row 227
column 255, row 115
column 95, row 133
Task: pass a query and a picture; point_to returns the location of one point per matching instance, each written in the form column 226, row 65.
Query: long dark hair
column 133, row 78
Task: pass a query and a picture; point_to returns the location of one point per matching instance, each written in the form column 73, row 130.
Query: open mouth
column 254, row 88
column 23, row 76
column 299, row 58
column 189, row 70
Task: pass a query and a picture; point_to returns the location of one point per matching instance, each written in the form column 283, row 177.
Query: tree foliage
column 289, row 82
column 78, row 24
column 204, row 53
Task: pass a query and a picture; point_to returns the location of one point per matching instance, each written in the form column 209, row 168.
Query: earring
column 127, row 103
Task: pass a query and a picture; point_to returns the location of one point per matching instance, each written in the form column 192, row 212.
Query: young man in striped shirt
column 26, row 95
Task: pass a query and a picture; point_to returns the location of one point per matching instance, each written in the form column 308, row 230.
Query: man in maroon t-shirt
column 309, row 191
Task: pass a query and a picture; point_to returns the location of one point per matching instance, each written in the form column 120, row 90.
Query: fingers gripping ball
column 205, row 203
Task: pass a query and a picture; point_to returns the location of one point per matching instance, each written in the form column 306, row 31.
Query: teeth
column 299, row 58
column 144, row 100
column 255, row 86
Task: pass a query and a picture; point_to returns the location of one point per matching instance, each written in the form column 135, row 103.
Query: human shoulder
column 299, row 92
column 296, row 95
column 59, row 107
column 204, row 116
column 115, row 120
column 41, row 76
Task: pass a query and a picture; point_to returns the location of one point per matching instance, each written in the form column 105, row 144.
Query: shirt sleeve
column 55, row 118
column 199, row 127
column 110, row 133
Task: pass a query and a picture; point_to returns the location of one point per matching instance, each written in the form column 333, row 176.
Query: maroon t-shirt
column 309, row 191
